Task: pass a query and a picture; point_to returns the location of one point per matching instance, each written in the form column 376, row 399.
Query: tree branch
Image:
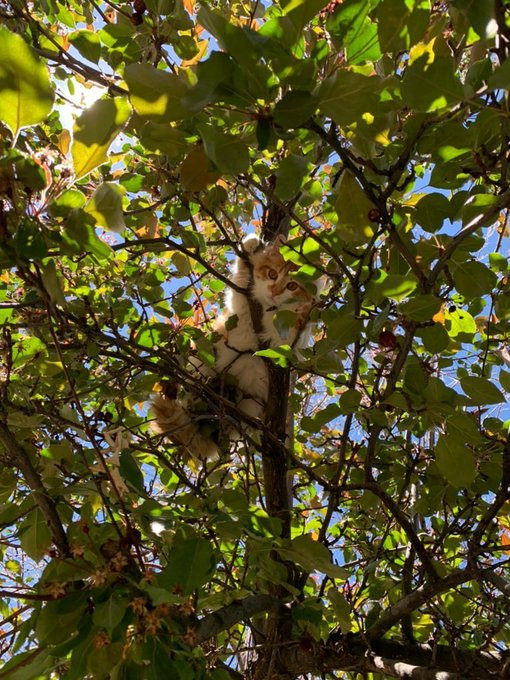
column 394, row 659
column 470, row 228
column 238, row 611
column 14, row 454
column 411, row 602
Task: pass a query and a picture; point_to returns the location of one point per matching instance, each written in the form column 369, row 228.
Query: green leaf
column 498, row 262
column 481, row 15
column 353, row 207
column 31, row 174
column 52, row 283
column 27, row 96
column 501, row 76
column 67, row 201
column 300, row 12
column 474, row 279
column 106, row 206
column 362, row 93
column 343, row 329
column 79, row 237
column 35, row 538
column 68, row 612
column 155, row 94
column 462, row 428
column 504, row 379
column 87, row 43
column 325, row 415
column 101, row 661
column 421, row 307
column 401, row 23
column 190, row 563
column 279, row 356
column 25, row 667
column 477, row 206
column 432, row 86
column 211, row 75
column 110, row 613
column 460, row 325
column 294, row 109
column 283, row 321
column 351, row 28
column 341, row 609
column 228, row 153
column 350, row 400
column 481, row 391
column 395, row 286
column 455, row 462
column 311, row 555
column 94, row 131
column 29, row 240
column 130, row 471
column 163, row 137
column 233, row 39
column 290, row 176
column 432, row 211
column 435, row 338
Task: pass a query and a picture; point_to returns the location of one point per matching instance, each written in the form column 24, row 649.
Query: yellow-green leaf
column 353, row 207
column 106, row 206
column 26, row 94
column 95, row 130
column 155, row 95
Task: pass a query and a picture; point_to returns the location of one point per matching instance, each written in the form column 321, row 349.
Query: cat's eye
column 292, row 285
column 272, row 274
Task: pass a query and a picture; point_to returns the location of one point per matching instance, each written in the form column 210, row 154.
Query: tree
column 374, row 134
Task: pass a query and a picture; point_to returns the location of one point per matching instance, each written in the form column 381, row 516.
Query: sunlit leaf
column 94, row 132
column 27, row 96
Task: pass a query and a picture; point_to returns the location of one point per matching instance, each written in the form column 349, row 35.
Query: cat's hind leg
column 174, row 421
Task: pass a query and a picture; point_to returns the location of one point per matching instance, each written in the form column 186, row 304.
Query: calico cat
column 266, row 277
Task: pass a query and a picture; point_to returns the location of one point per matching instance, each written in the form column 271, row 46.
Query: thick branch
column 393, row 659
column 273, row 456
column 411, row 602
column 14, row 454
column 238, row 611
column 356, row 653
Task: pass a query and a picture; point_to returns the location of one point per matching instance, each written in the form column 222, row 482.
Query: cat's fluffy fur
column 275, row 290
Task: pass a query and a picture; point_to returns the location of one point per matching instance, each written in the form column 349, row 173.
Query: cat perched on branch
column 270, row 288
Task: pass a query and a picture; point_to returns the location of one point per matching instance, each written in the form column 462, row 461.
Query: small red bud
column 374, row 215
column 387, row 339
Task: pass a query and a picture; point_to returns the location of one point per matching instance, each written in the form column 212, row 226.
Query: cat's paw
column 251, row 243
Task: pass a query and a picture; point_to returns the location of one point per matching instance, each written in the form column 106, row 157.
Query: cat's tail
column 174, row 421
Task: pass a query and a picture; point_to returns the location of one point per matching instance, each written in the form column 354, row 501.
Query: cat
column 265, row 275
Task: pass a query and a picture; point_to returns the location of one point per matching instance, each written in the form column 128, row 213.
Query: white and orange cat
column 266, row 277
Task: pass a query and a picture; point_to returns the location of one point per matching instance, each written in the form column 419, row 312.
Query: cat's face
column 273, row 284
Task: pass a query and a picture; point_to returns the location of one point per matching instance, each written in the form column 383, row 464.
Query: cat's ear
column 250, row 243
column 277, row 243
column 320, row 284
